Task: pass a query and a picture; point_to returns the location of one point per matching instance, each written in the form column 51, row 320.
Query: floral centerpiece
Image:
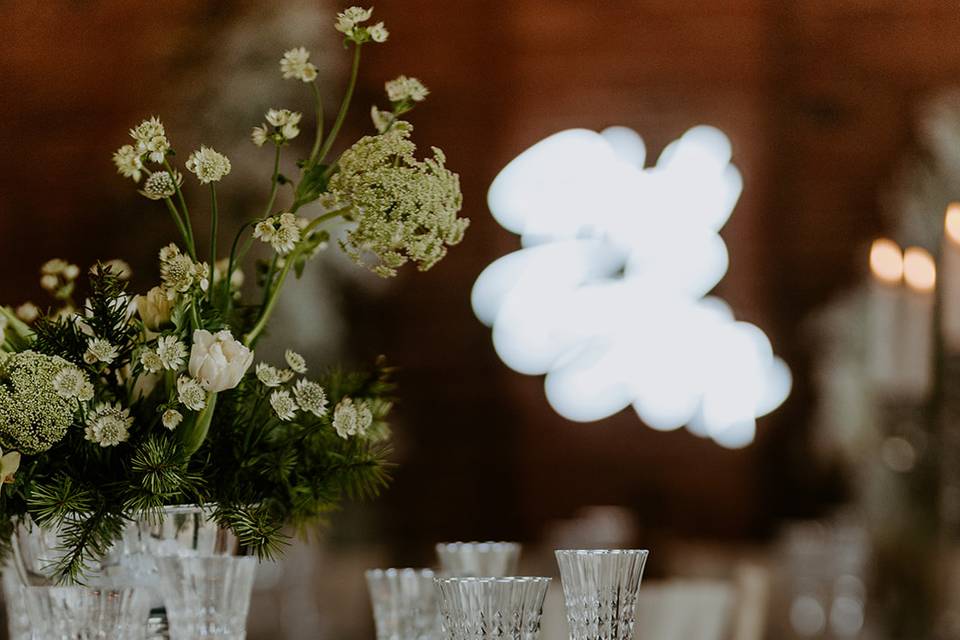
column 125, row 403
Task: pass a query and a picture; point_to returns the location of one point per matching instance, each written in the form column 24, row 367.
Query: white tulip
column 154, row 308
column 217, row 360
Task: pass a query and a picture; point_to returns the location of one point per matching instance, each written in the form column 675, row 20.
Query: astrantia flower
column 150, row 360
column 405, row 209
column 179, row 273
column 349, row 20
column 191, row 394
column 128, row 162
column 269, row 376
column 295, row 361
column 402, row 89
column 346, row 419
column 161, row 185
column 378, row 33
column 28, row 312
column 151, row 138
column 311, row 397
column 100, row 350
column 108, row 425
column 284, row 122
column 171, row 352
column 236, row 277
column 260, row 135
column 33, row 414
column 53, row 267
column 208, row 165
column 86, row 392
column 70, row 382
column 381, row 119
column 171, row 418
column 49, row 282
column 296, row 64
column 281, row 233
column 283, row 405
column 218, row 360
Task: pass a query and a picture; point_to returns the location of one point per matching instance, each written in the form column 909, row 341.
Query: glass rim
column 493, row 580
column 477, row 544
column 602, row 552
column 424, row 572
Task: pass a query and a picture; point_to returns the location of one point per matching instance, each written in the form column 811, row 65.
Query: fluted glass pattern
column 79, row 613
column 478, row 559
column 600, row 591
column 501, row 608
column 405, row 604
column 207, row 597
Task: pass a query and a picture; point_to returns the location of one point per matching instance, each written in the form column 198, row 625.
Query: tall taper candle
column 916, row 353
column 884, row 322
column 950, row 279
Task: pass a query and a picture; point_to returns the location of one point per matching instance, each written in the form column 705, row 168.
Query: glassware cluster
column 478, row 595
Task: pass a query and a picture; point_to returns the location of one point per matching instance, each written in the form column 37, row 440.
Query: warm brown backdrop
column 818, row 97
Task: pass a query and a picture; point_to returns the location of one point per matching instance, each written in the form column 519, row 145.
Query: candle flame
column 886, row 261
column 919, row 270
column 951, row 223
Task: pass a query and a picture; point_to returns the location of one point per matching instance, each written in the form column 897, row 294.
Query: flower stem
column 319, row 137
column 177, row 220
column 274, row 183
column 193, row 434
column 214, row 220
column 191, row 247
column 344, row 107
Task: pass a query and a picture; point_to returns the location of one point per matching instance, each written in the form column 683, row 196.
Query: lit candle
column 916, row 352
column 950, row 279
column 886, row 303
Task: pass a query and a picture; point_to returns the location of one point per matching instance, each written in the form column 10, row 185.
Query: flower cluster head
column 351, row 419
column 100, row 350
column 151, row 139
column 295, row 361
column 169, row 355
column 296, row 64
column 217, row 360
column 404, row 89
column 282, row 232
column 71, row 383
column 208, row 165
column 283, row 405
column 191, row 394
column 350, row 24
column 180, row 274
column 271, row 376
column 162, row 184
column 171, row 418
column 58, row 276
column 34, row 415
column 282, row 126
column 405, row 209
column 310, row 397
column 108, row 425
column 128, row 162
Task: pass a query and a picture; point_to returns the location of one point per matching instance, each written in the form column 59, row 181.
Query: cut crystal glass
column 478, row 559
column 480, row 608
column 405, row 604
column 600, row 591
column 80, row 613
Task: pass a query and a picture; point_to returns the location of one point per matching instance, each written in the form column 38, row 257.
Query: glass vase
column 480, row 608
column 207, row 596
column 600, row 591
column 18, row 619
column 478, row 559
column 405, row 604
column 81, row 613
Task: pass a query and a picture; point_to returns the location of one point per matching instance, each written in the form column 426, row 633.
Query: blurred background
column 840, row 115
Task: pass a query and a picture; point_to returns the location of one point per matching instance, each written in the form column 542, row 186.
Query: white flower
column 268, row 375
column 349, row 19
column 54, row 266
column 179, row 273
column 345, row 419
column 295, row 361
column 151, row 139
column 128, row 162
column 119, row 268
column 191, row 393
column 9, row 463
column 161, row 185
column 171, row 418
column 150, row 360
column 217, row 360
column 283, row 405
column 49, row 282
column 220, row 269
column 378, row 33
column 100, row 350
column 70, row 383
column 86, row 392
column 402, row 89
column 28, row 312
column 281, row 233
column 70, row 272
column 311, row 397
column 296, row 64
column 381, row 119
column 171, row 352
column 260, row 135
column 108, row 425
column 208, row 165
column 154, row 308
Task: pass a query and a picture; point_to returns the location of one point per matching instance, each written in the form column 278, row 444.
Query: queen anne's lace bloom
column 191, row 393
column 296, row 64
column 128, row 162
column 171, row 352
column 100, row 350
column 161, row 185
column 311, row 397
column 108, row 425
column 171, row 418
column 208, row 165
column 34, row 415
column 295, row 361
column 402, row 89
column 405, row 209
column 283, row 405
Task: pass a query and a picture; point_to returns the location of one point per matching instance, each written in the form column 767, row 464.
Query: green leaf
column 312, row 184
